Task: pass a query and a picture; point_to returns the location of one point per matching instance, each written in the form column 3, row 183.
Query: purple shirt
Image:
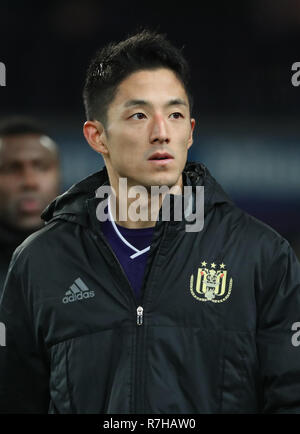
column 128, row 246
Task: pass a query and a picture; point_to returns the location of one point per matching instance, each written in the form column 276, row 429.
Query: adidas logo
column 78, row 291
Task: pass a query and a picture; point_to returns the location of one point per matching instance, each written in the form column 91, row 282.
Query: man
column 29, row 181
column 128, row 316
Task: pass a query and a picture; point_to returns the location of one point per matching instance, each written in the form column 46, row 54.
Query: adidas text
column 80, row 296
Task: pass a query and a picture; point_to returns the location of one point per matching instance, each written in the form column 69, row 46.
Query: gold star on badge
column 222, row 265
column 204, row 263
column 213, row 265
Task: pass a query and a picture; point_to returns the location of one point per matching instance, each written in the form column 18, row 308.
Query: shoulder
column 268, row 248
column 41, row 245
column 257, row 236
column 258, row 228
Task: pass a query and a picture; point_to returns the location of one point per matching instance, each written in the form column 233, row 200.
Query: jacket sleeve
column 277, row 344
column 24, row 369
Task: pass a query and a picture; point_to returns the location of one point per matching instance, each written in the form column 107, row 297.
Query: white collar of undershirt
column 137, row 251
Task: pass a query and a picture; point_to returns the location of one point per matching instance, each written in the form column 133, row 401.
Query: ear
column 190, row 140
column 95, row 136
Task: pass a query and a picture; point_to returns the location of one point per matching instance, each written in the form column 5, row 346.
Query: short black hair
column 15, row 125
column 116, row 61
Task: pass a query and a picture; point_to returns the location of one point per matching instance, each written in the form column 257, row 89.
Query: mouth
column 29, row 206
column 160, row 158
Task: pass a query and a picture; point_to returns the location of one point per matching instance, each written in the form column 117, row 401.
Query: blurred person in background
column 29, row 181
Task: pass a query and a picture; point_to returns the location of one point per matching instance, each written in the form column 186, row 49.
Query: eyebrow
column 142, row 102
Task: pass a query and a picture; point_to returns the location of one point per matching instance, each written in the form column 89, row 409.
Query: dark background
column 241, row 54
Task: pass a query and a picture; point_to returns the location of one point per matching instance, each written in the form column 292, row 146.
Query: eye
column 10, row 168
column 138, row 116
column 41, row 165
column 177, row 115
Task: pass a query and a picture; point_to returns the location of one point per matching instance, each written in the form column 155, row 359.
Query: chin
column 163, row 179
column 30, row 224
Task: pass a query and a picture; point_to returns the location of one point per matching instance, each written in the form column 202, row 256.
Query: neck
column 141, row 209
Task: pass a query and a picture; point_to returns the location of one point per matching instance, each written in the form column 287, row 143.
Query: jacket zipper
column 139, row 321
column 140, row 348
column 139, row 355
column 139, row 312
column 139, row 331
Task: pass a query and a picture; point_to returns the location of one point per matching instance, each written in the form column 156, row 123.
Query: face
column 149, row 114
column 29, row 179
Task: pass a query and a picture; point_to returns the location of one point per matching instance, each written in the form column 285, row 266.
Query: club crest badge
column 211, row 283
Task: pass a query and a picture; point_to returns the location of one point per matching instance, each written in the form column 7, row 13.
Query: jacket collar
column 77, row 203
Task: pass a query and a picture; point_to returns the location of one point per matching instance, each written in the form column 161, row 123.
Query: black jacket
column 10, row 238
column 216, row 330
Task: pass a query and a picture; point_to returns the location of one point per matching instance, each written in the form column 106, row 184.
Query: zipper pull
column 139, row 312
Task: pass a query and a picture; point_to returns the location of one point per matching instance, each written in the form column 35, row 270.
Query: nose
column 159, row 131
column 29, row 178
